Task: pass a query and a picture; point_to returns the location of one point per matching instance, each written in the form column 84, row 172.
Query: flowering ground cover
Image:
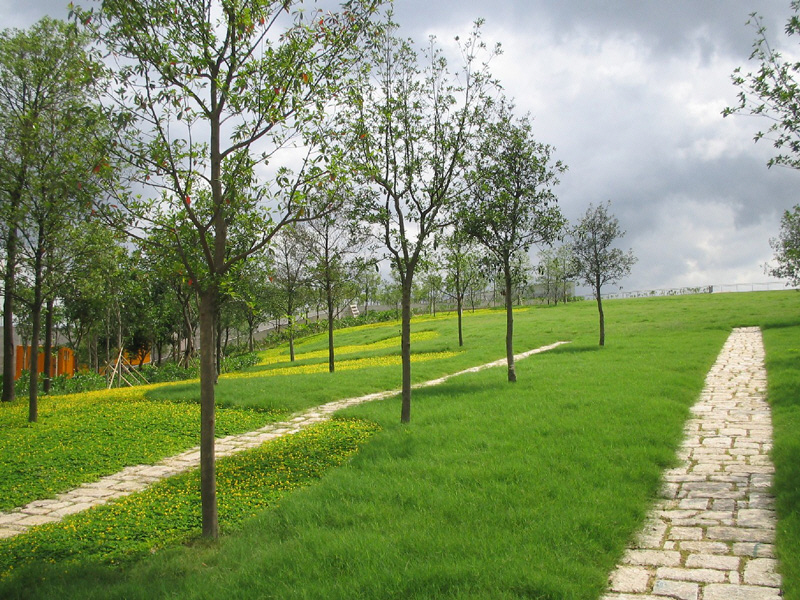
column 168, row 512
column 281, row 354
column 343, row 365
column 82, row 437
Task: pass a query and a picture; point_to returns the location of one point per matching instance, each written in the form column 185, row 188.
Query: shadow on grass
column 575, row 349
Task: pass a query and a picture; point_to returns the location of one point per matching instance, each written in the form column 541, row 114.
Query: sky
column 630, row 94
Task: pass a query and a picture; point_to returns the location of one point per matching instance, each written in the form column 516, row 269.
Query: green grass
column 494, row 490
column 783, row 358
column 83, row 437
column 168, row 512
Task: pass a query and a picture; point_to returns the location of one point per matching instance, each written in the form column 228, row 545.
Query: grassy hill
column 494, row 490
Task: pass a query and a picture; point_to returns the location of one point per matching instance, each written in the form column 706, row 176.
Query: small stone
column 676, row 589
column 629, row 579
column 705, row 547
column 697, row 575
column 656, row 558
column 755, row 518
column 693, row 504
column 72, row 509
column 713, row 561
column 34, row 520
column 761, row 571
column 740, row 534
column 686, row 533
column 754, row 550
column 722, row 591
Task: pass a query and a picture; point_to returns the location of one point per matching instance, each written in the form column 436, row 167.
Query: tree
column 369, row 281
column 50, row 131
column 595, row 262
column 772, row 92
column 255, row 298
column 334, row 242
column 94, row 282
column 390, row 291
column 512, row 204
column 431, row 286
column 44, row 73
column 208, row 93
column 290, row 275
column 787, row 248
column 415, row 121
column 461, row 264
column 555, row 272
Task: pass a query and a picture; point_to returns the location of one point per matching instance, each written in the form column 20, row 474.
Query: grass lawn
column 493, row 490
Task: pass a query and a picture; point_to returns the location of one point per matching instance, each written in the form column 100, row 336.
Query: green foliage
column 512, row 204
column 170, row 371
column 83, row 437
column 238, row 362
column 787, row 247
column 772, row 92
column 168, row 513
column 594, row 259
column 86, row 381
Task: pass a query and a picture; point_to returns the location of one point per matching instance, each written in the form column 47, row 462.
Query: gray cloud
column 630, row 94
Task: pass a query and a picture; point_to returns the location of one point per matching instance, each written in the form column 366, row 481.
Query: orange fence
column 63, row 362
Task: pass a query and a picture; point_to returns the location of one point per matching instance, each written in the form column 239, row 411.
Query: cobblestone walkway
column 137, row 478
column 711, row 535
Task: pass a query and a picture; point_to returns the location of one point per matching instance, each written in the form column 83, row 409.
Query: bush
column 84, row 381
column 239, row 362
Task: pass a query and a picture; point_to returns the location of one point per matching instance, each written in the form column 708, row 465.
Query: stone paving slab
column 138, row 477
column 710, row 536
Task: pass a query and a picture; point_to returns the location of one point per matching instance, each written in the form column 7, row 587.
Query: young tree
column 254, row 297
column 209, row 92
column 595, row 262
column 334, row 242
column 415, row 121
column 554, row 273
column 462, row 266
column 94, row 281
column 431, row 286
column 290, row 274
column 772, row 92
column 513, row 204
column 369, row 281
column 787, row 248
column 390, row 291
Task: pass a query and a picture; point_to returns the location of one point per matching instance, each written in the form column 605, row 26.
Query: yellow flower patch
column 271, row 359
column 344, row 365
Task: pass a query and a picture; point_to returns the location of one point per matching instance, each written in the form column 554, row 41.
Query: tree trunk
column 290, row 326
column 405, row 349
column 36, row 326
column 9, row 346
column 460, row 308
column 512, row 373
column 602, row 321
column 218, row 343
column 331, row 357
column 48, row 345
column 208, row 478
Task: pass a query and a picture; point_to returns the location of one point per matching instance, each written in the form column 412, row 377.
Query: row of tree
column 232, row 140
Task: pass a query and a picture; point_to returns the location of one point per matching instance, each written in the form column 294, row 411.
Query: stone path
column 711, row 535
column 137, row 478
